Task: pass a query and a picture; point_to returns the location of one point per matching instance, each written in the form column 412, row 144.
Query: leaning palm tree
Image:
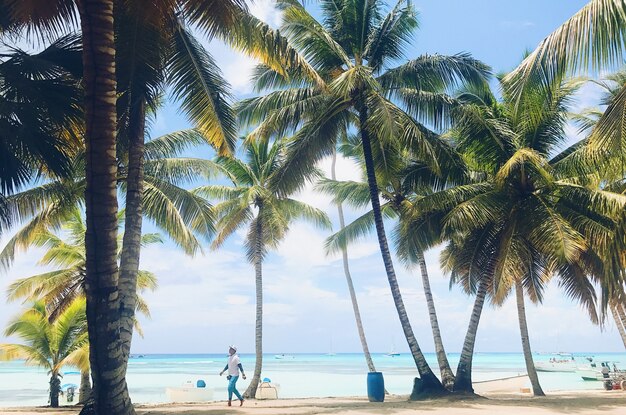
column 348, row 275
column 529, row 218
column 351, row 52
column 256, row 200
column 50, row 345
column 401, row 180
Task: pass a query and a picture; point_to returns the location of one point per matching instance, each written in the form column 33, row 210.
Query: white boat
column 189, row 393
column 283, row 356
column 564, row 363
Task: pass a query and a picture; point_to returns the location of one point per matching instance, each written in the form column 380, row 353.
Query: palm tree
column 526, row 220
column 346, row 270
column 184, row 217
column 59, row 289
column 51, row 345
column 257, row 200
column 401, row 180
column 40, row 114
column 350, row 52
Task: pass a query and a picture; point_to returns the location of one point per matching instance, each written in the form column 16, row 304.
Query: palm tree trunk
column 619, row 321
column 463, row 380
column 258, row 270
column 103, row 316
column 523, row 326
column 55, row 388
column 447, row 377
column 131, row 247
column 84, row 392
column 346, row 270
column 427, row 384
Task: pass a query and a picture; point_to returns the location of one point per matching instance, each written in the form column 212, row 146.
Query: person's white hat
column 232, row 346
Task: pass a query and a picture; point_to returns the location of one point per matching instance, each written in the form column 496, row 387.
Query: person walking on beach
column 233, row 367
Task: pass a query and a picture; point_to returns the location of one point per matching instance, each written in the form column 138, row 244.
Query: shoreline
column 587, row 401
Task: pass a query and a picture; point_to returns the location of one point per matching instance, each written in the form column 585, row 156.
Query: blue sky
column 207, row 302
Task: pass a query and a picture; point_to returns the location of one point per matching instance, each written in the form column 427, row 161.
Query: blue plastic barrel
column 375, row 387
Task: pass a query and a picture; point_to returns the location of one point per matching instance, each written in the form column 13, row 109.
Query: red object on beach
column 616, row 386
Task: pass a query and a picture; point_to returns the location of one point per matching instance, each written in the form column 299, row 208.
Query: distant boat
column 393, row 352
column 593, row 372
column 564, row 363
column 283, row 356
column 330, row 352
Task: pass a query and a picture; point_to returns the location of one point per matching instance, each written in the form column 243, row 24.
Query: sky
column 206, row 302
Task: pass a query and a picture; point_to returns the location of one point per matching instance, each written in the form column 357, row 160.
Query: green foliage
column 255, row 198
column 65, row 251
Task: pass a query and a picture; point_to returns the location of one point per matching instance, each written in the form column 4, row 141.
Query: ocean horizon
column 300, row 375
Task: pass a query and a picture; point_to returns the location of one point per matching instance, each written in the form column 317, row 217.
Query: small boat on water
column 190, row 392
column 283, row 356
column 564, row 363
column 594, row 371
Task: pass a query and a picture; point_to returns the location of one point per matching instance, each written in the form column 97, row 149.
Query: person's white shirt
column 233, row 365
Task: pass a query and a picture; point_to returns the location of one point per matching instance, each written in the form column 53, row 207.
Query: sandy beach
column 578, row 402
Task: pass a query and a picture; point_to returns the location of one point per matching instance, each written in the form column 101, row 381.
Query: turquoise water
column 304, row 375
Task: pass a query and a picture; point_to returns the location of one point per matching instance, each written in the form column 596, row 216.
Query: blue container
column 200, row 384
column 375, row 387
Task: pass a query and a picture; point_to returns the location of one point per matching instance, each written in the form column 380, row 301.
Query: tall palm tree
column 351, row 51
column 256, row 200
column 348, row 275
column 526, row 219
column 401, row 180
column 50, row 345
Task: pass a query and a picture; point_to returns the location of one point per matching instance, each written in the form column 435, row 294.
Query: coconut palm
column 58, row 289
column 351, row 51
column 592, row 40
column 400, row 180
column 50, row 345
column 257, row 201
column 348, row 275
column 184, row 217
column 525, row 221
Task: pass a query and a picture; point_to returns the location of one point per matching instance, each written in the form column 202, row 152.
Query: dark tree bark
column 110, row 391
column 428, row 384
column 447, row 377
column 463, row 380
column 55, row 388
column 131, row 247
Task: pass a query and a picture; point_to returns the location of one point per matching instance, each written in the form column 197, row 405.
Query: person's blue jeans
column 232, row 389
